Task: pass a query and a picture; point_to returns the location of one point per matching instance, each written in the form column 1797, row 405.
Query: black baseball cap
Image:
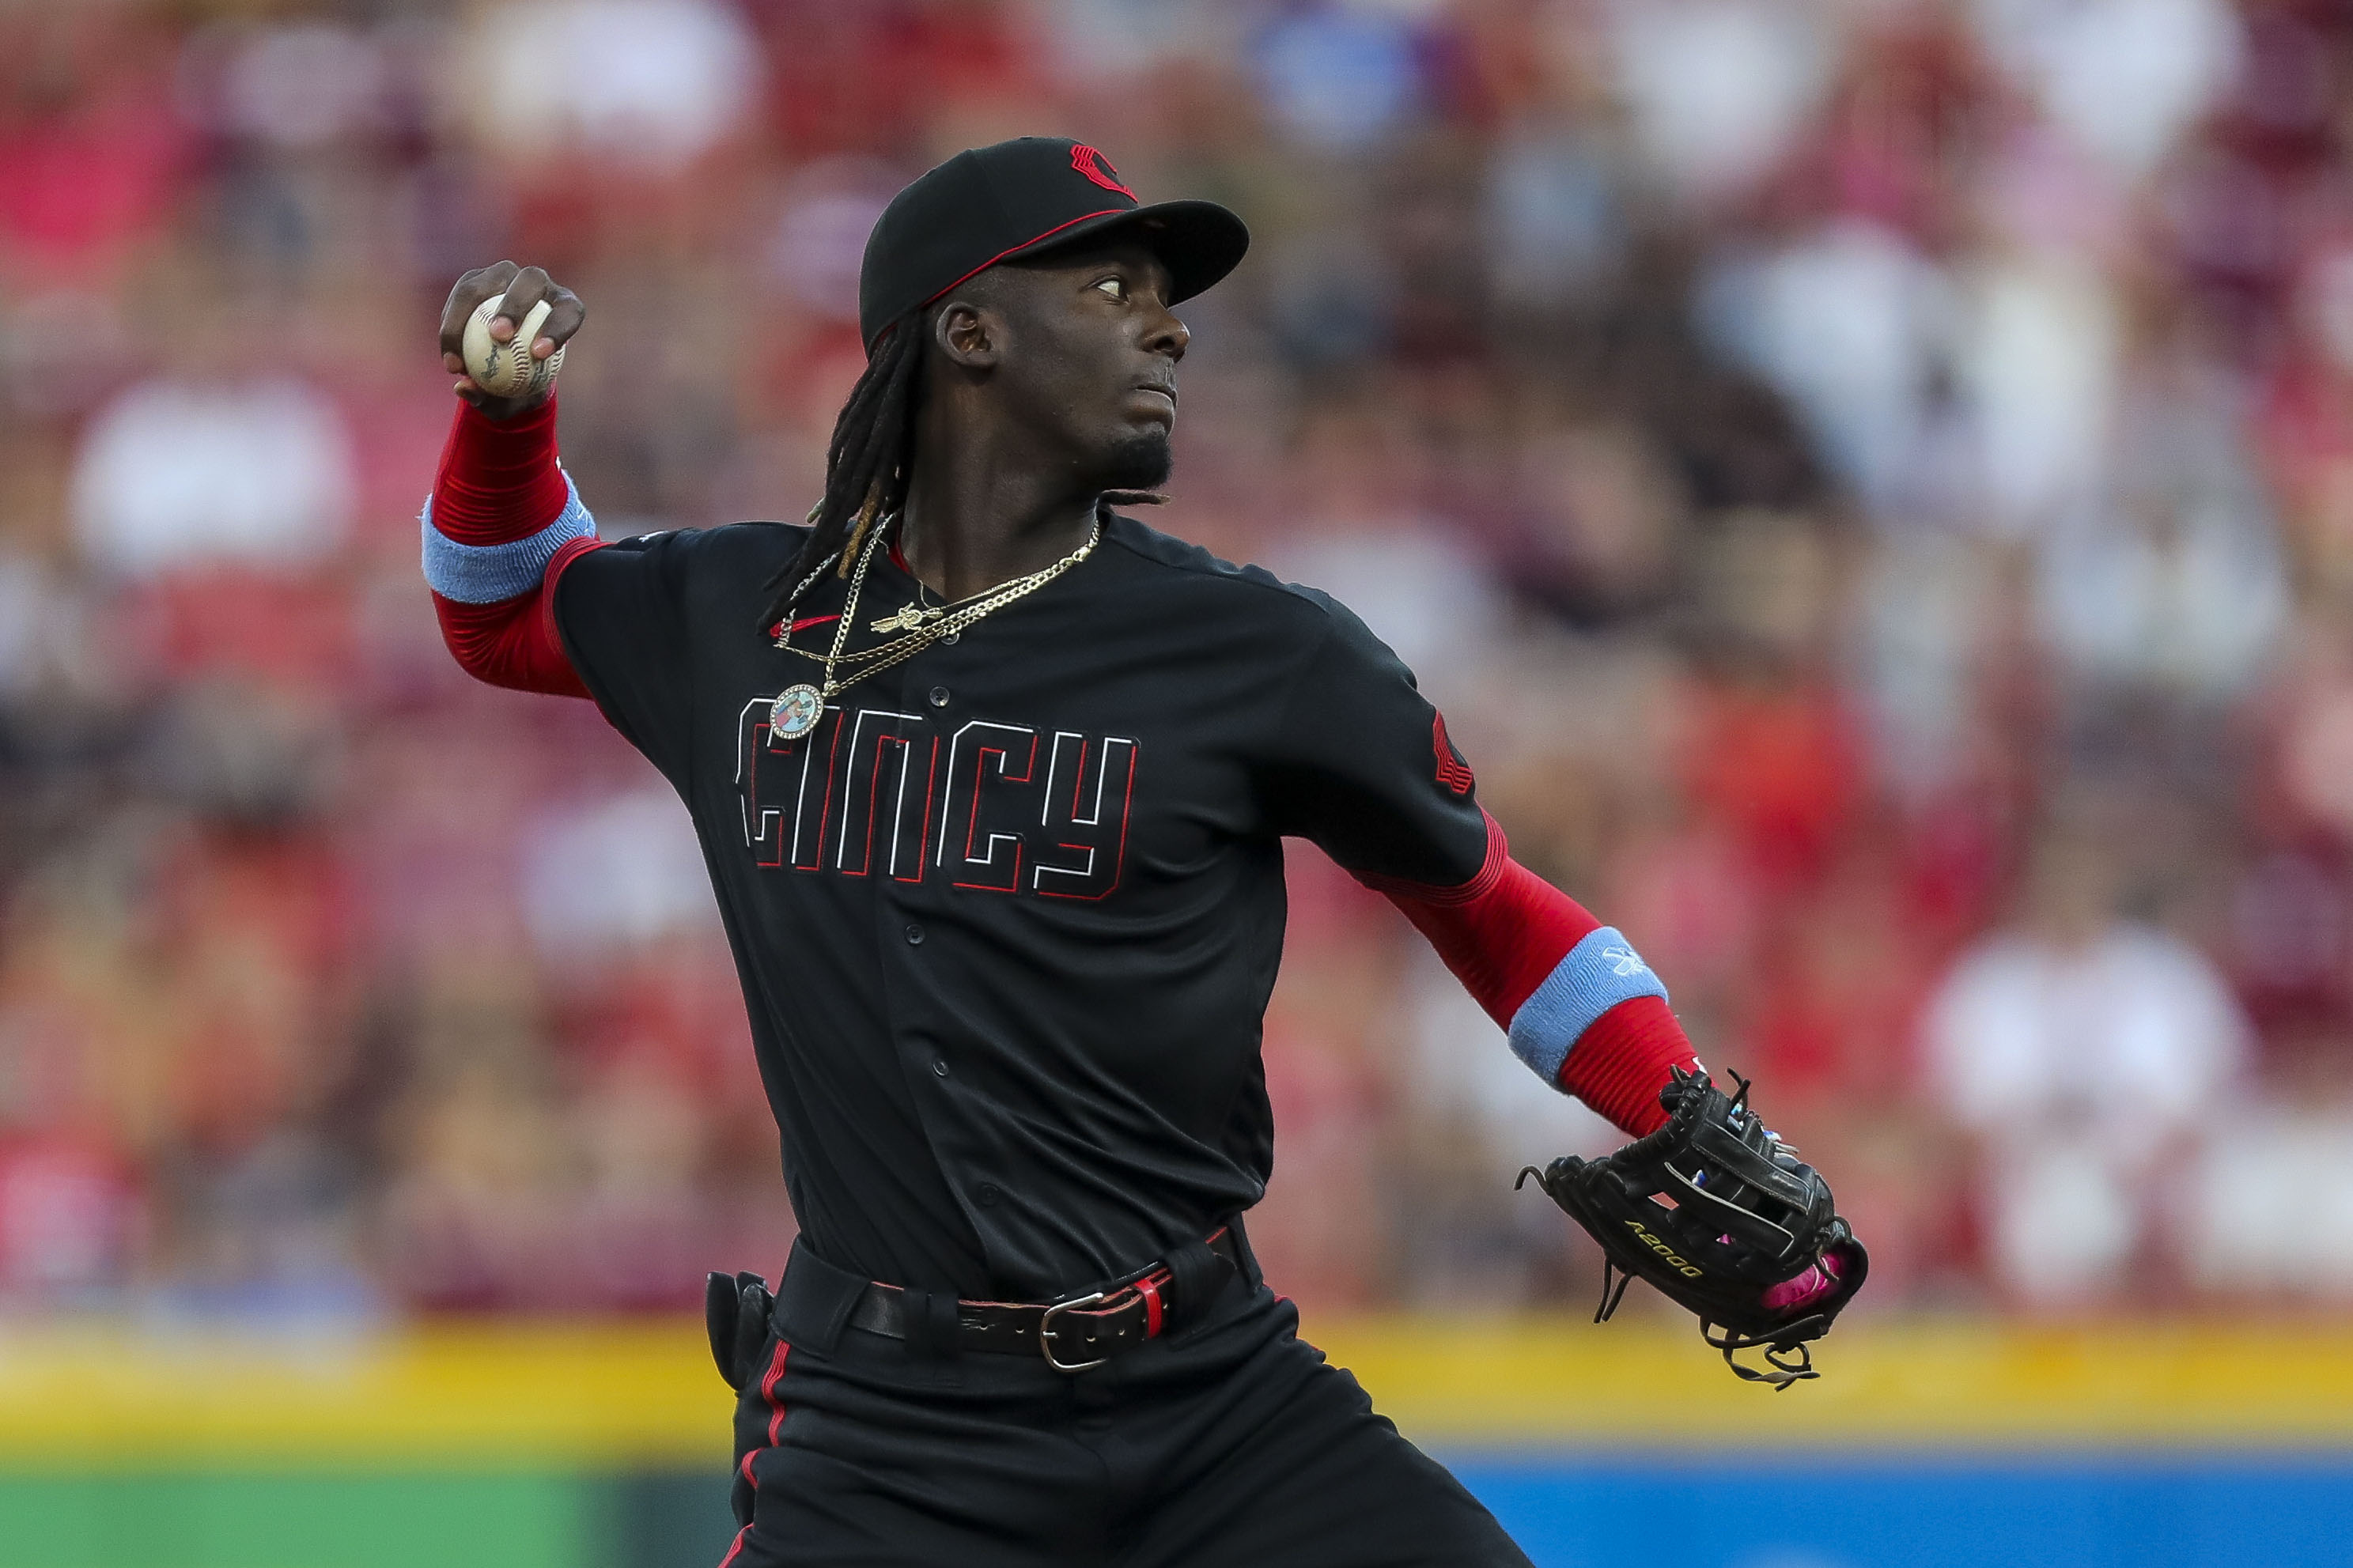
column 1023, row 197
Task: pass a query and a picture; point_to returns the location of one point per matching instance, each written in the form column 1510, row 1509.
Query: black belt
column 1079, row 1333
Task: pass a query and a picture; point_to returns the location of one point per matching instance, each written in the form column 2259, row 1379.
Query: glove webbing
column 1792, row 1363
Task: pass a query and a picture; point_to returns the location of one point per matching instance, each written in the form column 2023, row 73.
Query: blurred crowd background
column 1870, row 481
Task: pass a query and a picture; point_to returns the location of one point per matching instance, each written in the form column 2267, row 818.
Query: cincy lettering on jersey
column 1000, row 808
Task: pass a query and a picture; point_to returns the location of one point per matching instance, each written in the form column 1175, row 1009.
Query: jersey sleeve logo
column 1452, row 771
column 1091, row 163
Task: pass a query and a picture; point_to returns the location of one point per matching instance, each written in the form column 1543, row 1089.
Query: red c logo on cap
column 1090, row 163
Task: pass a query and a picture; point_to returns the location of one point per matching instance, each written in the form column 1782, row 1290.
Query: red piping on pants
column 775, row 1429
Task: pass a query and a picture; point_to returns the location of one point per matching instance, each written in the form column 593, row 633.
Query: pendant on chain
column 795, row 712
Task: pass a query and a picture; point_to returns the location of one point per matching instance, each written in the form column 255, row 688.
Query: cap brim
column 1198, row 242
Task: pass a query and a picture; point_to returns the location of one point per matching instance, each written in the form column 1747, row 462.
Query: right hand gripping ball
column 506, row 369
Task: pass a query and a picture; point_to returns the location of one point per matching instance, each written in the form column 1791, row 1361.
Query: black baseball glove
column 1721, row 1216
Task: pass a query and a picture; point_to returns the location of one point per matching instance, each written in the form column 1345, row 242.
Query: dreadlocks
column 866, row 466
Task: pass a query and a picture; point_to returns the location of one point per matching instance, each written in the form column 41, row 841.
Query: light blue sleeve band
column 1593, row 977
column 485, row 573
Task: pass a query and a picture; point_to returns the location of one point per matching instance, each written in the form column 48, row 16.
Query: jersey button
column 914, row 936
column 939, row 696
column 988, row 1194
column 950, row 639
column 940, row 1069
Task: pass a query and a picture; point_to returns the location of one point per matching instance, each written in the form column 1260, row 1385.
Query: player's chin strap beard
column 1144, row 461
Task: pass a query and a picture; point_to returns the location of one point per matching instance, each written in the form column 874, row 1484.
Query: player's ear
column 967, row 334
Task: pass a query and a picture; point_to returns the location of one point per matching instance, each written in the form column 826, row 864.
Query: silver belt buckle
column 1046, row 1335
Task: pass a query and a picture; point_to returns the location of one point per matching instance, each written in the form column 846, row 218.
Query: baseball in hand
column 506, row 369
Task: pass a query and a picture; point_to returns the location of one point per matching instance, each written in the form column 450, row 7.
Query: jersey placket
column 908, row 911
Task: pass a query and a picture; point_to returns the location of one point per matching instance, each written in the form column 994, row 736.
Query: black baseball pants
column 1230, row 1441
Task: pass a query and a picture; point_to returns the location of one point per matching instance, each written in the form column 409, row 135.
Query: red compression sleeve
column 1621, row 1064
column 1501, row 933
column 499, row 482
column 514, row 642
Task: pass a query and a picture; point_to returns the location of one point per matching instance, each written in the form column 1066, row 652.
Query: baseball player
column 991, row 780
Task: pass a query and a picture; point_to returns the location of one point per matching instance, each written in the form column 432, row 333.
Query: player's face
column 1089, row 361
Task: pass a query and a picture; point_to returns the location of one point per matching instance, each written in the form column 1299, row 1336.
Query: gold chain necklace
column 920, row 617
column 798, row 707
column 917, row 614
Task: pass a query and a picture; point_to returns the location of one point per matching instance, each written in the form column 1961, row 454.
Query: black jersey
column 1006, row 921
